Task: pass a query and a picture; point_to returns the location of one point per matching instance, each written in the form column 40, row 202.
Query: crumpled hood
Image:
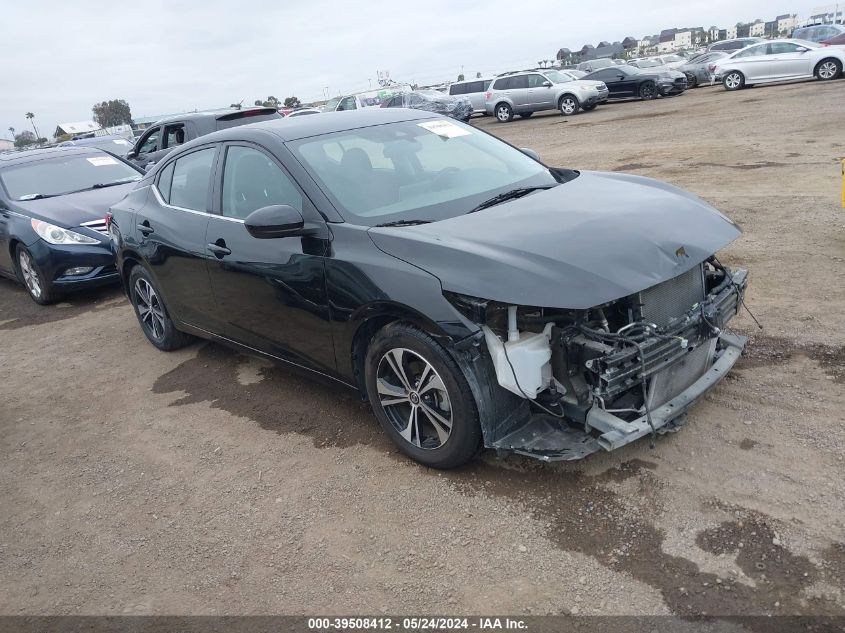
column 594, row 239
column 75, row 208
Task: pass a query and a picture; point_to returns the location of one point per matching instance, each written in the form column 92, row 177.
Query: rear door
column 271, row 293
column 753, row 63
column 518, row 92
column 170, row 230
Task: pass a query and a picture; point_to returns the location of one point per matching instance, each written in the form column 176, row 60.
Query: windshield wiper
column 513, row 194
column 37, row 196
column 403, row 223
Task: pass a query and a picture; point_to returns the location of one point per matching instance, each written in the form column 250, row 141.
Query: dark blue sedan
column 53, row 204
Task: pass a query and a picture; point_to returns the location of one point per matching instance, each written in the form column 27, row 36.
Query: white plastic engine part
column 529, row 354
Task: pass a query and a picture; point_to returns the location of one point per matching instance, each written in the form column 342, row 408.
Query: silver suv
column 530, row 91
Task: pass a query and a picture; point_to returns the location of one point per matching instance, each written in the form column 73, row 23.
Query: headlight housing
column 53, row 234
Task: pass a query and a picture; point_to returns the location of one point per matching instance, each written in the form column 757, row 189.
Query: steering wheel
column 443, row 179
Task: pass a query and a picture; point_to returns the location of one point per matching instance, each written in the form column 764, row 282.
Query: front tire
column 734, row 80
column 504, row 113
column 828, row 69
column 648, row 91
column 568, row 105
column 153, row 316
column 30, row 275
column 421, row 398
column 692, row 81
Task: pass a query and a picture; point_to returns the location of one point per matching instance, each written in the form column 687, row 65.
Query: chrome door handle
column 146, row 229
column 219, row 251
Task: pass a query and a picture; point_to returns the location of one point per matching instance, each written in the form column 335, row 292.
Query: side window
column 174, row 135
column 475, row 86
column 457, row 89
column 348, row 103
column 150, row 143
column 191, row 173
column 536, row 81
column 520, row 81
column 779, row 48
column 165, row 179
column 414, row 100
column 251, row 180
column 486, row 84
column 501, row 84
column 753, row 51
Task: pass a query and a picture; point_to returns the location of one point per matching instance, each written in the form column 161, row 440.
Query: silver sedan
column 779, row 60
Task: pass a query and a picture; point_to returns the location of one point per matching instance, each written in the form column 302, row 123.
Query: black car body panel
column 622, row 85
column 595, row 244
column 83, row 212
column 572, row 246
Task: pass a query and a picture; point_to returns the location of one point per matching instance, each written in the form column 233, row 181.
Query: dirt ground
column 204, row 482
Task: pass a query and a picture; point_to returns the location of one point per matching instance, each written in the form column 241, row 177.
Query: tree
column 25, row 138
column 461, row 77
column 292, row 102
column 112, row 112
column 31, row 117
column 478, row 75
column 259, row 102
column 12, row 130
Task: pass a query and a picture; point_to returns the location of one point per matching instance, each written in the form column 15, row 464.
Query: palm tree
column 31, row 117
column 12, row 130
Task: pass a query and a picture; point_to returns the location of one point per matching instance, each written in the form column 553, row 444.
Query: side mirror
column 131, row 154
column 531, row 153
column 547, row 84
column 278, row 220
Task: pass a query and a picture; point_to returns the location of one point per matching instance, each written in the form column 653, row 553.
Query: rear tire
column 568, row 105
column 734, row 80
column 828, row 69
column 30, row 275
column 421, row 398
column 692, row 81
column 504, row 113
column 153, row 316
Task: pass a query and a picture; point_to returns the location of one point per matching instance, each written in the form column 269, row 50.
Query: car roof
column 30, row 155
column 215, row 114
column 294, row 128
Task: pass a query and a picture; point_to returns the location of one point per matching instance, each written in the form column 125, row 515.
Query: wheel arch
column 567, row 94
column 368, row 320
column 827, row 59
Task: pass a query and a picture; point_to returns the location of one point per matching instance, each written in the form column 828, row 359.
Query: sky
column 59, row 57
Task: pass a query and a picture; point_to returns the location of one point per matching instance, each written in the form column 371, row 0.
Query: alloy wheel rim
column 732, row 80
column 827, row 70
column 648, row 91
column 503, row 113
column 568, row 106
column 414, row 398
column 30, row 275
column 150, row 310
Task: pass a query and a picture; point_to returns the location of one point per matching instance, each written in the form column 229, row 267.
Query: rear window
column 246, row 116
column 458, row 89
column 65, row 174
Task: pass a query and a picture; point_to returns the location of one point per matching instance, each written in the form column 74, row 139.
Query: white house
column 731, row 33
column 79, row 127
column 683, row 39
column 758, row 29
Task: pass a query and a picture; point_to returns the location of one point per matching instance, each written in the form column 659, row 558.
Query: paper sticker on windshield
column 100, row 161
column 444, row 129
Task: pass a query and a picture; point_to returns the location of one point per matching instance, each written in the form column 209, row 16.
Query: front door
column 540, row 95
column 270, row 292
column 754, row 63
column 170, row 230
column 146, row 147
column 786, row 62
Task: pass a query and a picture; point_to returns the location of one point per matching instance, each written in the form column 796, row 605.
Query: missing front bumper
column 550, row 439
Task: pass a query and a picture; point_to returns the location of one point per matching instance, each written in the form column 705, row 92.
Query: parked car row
column 352, row 245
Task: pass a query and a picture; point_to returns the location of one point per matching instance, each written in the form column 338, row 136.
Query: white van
column 474, row 90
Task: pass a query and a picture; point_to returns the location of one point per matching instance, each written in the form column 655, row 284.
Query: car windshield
column 64, row 174
column 428, row 169
column 556, row 77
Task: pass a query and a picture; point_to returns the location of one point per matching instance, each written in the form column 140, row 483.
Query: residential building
column 758, row 29
column 80, row 127
column 731, row 33
column 786, row 23
column 6, row 145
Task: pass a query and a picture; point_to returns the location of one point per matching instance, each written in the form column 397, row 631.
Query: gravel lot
column 204, row 482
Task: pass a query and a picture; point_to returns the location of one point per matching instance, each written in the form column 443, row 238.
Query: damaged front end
column 573, row 382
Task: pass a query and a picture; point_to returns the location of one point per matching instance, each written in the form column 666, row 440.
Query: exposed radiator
column 673, row 298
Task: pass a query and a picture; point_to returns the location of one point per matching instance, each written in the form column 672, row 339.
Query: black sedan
column 53, row 205
column 473, row 295
column 625, row 82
